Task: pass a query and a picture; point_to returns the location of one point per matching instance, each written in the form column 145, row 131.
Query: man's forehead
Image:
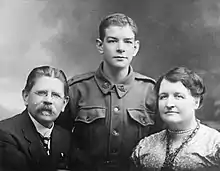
column 114, row 37
column 45, row 81
column 119, row 30
column 45, row 77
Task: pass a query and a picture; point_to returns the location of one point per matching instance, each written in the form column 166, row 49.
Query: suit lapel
column 60, row 147
column 55, row 144
column 35, row 148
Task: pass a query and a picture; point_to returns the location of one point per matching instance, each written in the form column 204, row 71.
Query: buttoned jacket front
column 109, row 119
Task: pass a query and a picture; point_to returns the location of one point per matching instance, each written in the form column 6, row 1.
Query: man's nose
column 120, row 47
column 48, row 99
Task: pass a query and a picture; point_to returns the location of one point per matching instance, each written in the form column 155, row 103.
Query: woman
column 185, row 144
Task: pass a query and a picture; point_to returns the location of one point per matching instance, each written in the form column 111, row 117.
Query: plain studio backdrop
column 62, row 33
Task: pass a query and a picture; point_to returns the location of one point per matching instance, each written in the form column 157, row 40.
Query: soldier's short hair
column 116, row 19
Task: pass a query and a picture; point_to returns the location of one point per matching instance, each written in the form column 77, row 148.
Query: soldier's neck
column 116, row 75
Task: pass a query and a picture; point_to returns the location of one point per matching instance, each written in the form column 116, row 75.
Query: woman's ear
column 99, row 46
column 197, row 102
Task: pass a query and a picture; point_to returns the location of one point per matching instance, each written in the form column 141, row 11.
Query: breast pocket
column 139, row 124
column 141, row 116
column 90, row 114
column 90, row 128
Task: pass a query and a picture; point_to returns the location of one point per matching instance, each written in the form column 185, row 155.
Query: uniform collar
column 106, row 85
column 45, row 132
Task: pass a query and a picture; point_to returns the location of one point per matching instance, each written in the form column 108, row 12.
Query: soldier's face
column 119, row 46
column 46, row 100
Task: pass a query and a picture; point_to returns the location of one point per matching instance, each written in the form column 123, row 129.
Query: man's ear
column 99, row 46
column 25, row 95
column 136, row 47
column 66, row 100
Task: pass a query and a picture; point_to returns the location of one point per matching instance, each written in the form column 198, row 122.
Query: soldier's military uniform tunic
column 109, row 119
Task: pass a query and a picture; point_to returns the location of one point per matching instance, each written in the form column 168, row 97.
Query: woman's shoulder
column 149, row 141
column 153, row 138
column 208, row 131
column 210, row 138
column 146, row 145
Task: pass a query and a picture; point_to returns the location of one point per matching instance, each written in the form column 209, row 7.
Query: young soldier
column 112, row 108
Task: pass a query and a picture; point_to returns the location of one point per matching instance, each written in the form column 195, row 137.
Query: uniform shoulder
column 80, row 77
column 144, row 77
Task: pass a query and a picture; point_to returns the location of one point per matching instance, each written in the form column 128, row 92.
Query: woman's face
column 176, row 104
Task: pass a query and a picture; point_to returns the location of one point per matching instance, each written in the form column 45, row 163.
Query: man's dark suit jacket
column 21, row 148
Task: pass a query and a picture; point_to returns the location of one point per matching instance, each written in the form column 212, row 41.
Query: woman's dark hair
column 192, row 81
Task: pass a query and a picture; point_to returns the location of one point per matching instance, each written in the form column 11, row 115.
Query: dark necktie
column 45, row 141
column 46, row 144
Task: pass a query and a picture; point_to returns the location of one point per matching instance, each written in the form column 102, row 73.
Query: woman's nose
column 170, row 103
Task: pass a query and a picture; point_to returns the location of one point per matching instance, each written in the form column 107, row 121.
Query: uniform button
column 143, row 120
column 115, row 133
column 107, row 162
column 114, row 151
column 121, row 88
column 116, row 109
column 62, row 156
column 106, row 85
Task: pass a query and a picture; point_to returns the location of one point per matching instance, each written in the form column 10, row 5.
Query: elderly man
column 30, row 140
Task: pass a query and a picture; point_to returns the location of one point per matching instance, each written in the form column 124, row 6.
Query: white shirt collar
column 46, row 132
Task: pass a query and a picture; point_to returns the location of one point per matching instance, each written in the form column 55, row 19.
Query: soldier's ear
column 99, row 46
column 136, row 47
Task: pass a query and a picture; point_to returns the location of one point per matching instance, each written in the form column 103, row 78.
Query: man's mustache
column 45, row 108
